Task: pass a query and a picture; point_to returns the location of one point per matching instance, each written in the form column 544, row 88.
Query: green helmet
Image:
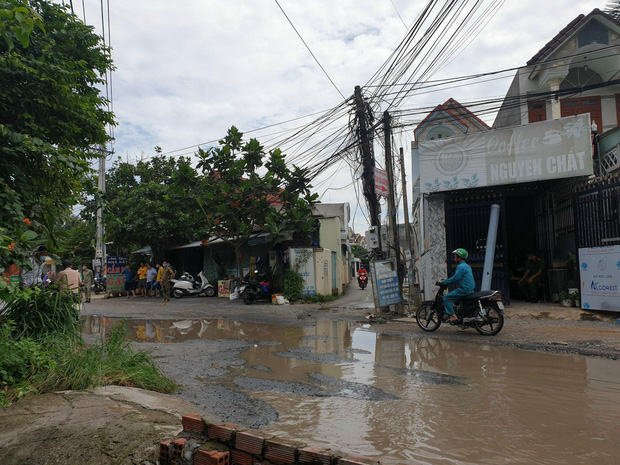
column 461, row 253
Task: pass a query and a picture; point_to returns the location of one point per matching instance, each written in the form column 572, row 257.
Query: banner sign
column 600, row 278
column 115, row 280
column 302, row 261
column 386, row 278
column 553, row 149
column 223, row 289
column 381, row 182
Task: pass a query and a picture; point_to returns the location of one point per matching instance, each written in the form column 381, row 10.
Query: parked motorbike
column 187, row 285
column 252, row 290
column 99, row 285
column 483, row 311
column 362, row 281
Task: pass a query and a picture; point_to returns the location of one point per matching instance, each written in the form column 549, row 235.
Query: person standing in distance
column 87, row 280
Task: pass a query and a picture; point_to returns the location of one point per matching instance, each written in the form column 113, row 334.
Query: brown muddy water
column 413, row 400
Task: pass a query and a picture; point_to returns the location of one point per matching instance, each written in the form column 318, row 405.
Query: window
column 593, row 33
column 537, row 111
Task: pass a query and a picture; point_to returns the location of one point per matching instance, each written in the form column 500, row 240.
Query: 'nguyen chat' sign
column 553, row 149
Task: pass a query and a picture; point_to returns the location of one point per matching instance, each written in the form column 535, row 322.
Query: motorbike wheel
column 489, row 321
column 427, row 318
column 97, row 290
column 363, row 285
column 249, row 297
column 209, row 292
column 177, row 293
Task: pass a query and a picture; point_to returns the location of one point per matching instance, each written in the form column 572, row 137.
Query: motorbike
column 187, row 285
column 99, row 285
column 252, row 289
column 362, row 281
column 483, row 311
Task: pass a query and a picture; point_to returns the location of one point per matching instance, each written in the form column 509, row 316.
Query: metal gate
column 597, row 213
column 467, row 225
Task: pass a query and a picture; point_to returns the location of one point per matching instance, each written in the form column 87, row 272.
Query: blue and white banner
column 386, row 278
column 599, row 271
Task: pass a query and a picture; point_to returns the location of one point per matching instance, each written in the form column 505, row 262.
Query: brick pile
column 203, row 443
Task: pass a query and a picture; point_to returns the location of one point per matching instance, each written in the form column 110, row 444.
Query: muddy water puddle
column 403, row 400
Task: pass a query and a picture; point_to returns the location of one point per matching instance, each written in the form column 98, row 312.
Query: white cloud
column 186, row 71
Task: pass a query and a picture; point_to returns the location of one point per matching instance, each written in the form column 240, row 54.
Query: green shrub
column 293, row 285
column 39, row 312
column 320, row 298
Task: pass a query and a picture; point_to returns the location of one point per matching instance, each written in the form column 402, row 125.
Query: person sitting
column 534, row 269
column 464, row 279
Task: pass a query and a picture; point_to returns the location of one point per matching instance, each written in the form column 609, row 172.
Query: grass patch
column 35, row 359
column 319, row 298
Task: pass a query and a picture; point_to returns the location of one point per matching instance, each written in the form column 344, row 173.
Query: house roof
column 568, row 31
column 455, row 111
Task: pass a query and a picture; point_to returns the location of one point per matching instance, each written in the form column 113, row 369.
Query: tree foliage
column 241, row 190
column 143, row 205
column 51, row 115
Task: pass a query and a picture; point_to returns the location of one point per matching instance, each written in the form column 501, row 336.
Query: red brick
column 241, row 458
column 164, row 450
column 223, row 433
column 280, row 450
column 211, row 457
column 193, row 422
column 177, row 448
column 250, row 442
column 314, row 455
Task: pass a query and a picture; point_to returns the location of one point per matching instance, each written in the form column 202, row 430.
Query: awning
column 145, row 250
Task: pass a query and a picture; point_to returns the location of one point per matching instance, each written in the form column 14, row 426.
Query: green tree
column 361, row 253
column 241, row 190
column 51, row 116
column 143, row 205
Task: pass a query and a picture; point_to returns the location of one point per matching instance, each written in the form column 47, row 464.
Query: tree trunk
column 239, row 260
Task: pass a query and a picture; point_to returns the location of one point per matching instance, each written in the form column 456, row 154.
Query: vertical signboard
column 381, row 182
column 386, row 278
column 599, row 271
column 302, row 261
column 114, row 267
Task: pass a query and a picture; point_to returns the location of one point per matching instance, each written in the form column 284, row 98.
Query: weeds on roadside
column 41, row 351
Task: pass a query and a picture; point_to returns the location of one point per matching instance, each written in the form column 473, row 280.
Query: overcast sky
column 188, row 70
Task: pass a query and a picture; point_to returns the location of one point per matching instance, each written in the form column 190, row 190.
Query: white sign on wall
column 302, row 261
column 599, row 272
column 553, row 149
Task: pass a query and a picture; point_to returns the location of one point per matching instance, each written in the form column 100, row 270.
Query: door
column 467, row 226
column 579, row 106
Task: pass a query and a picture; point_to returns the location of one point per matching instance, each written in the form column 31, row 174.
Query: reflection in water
column 445, row 402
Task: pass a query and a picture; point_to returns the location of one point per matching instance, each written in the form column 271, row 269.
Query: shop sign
column 115, row 279
column 599, row 271
column 381, row 182
column 553, row 149
column 386, row 279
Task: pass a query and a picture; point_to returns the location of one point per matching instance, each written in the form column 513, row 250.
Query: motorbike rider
column 361, row 273
column 464, row 278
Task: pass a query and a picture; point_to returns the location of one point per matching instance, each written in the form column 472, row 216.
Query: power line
column 315, row 59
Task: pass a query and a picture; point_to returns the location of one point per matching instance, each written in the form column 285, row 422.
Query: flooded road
column 400, row 400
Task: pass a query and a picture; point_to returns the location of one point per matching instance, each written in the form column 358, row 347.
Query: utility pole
column 368, row 163
column 393, row 223
column 409, row 246
column 100, row 252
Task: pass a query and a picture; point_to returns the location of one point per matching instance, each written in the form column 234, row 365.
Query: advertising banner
column 381, row 182
column 302, row 261
column 114, row 267
column 599, row 271
column 386, row 278
column 553, row 149
column 223, row 289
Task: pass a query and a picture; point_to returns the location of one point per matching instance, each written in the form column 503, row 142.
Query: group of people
column 149, row 280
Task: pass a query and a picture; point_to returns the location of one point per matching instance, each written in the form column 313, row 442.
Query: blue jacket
column 463, row 277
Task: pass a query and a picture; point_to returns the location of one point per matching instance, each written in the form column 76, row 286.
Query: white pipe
column 489, row 256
